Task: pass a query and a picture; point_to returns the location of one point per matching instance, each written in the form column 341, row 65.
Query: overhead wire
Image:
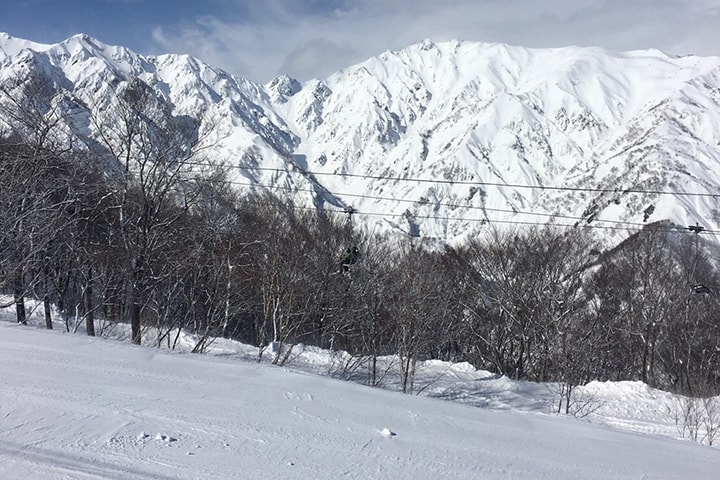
column 626, row 225
column 581, row 222
column 474, row 182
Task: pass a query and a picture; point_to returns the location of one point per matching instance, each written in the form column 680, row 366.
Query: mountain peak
column 283, row 86
column 427, row 45
column 84, row 41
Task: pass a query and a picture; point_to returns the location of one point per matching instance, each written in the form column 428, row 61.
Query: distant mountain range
column 444, row 140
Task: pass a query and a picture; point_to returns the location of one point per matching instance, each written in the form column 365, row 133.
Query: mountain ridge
column 444, row 140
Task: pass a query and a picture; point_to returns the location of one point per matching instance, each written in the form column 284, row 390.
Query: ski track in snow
column 73, row 407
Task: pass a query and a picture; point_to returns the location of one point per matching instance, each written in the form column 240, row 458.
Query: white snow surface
column 75, row 407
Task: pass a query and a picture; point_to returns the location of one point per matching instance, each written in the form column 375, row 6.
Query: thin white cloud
column 315, row 38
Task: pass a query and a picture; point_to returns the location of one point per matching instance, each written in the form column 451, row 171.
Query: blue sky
column 259, row 39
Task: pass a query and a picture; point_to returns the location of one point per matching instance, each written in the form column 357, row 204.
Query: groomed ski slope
column 74, row 407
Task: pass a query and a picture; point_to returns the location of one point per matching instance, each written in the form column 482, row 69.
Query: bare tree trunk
column 88, row 306
column 647, row 356
column 228, row 288
column 136, row 334
column 46, row 300
column 135, row 321
column 19, row 302
column 48, row 315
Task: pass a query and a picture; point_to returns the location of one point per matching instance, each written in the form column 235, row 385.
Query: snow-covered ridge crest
column 10, row 45
column 499, row 134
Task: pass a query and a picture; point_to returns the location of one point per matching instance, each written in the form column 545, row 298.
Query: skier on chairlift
column 349, row 258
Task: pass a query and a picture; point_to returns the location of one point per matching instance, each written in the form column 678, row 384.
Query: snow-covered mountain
column 442, row 140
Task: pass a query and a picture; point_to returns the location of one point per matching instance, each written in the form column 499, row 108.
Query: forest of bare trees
column 131, row 229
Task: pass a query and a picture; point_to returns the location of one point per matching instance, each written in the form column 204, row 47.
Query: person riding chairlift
column 349, row 258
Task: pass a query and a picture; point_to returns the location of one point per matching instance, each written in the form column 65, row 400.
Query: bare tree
column 528, row 291
column 422, row 307
column 34, row 111
column 361, row 314
column 281, row 271
column 38, row 110
column 645, row 275
column 38, row 196
column 155, row 155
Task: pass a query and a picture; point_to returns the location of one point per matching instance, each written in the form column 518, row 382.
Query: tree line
column 130, row 227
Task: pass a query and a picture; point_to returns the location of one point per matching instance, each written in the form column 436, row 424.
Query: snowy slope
column 72, row 407
column 510, row 118
column 496, row 134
